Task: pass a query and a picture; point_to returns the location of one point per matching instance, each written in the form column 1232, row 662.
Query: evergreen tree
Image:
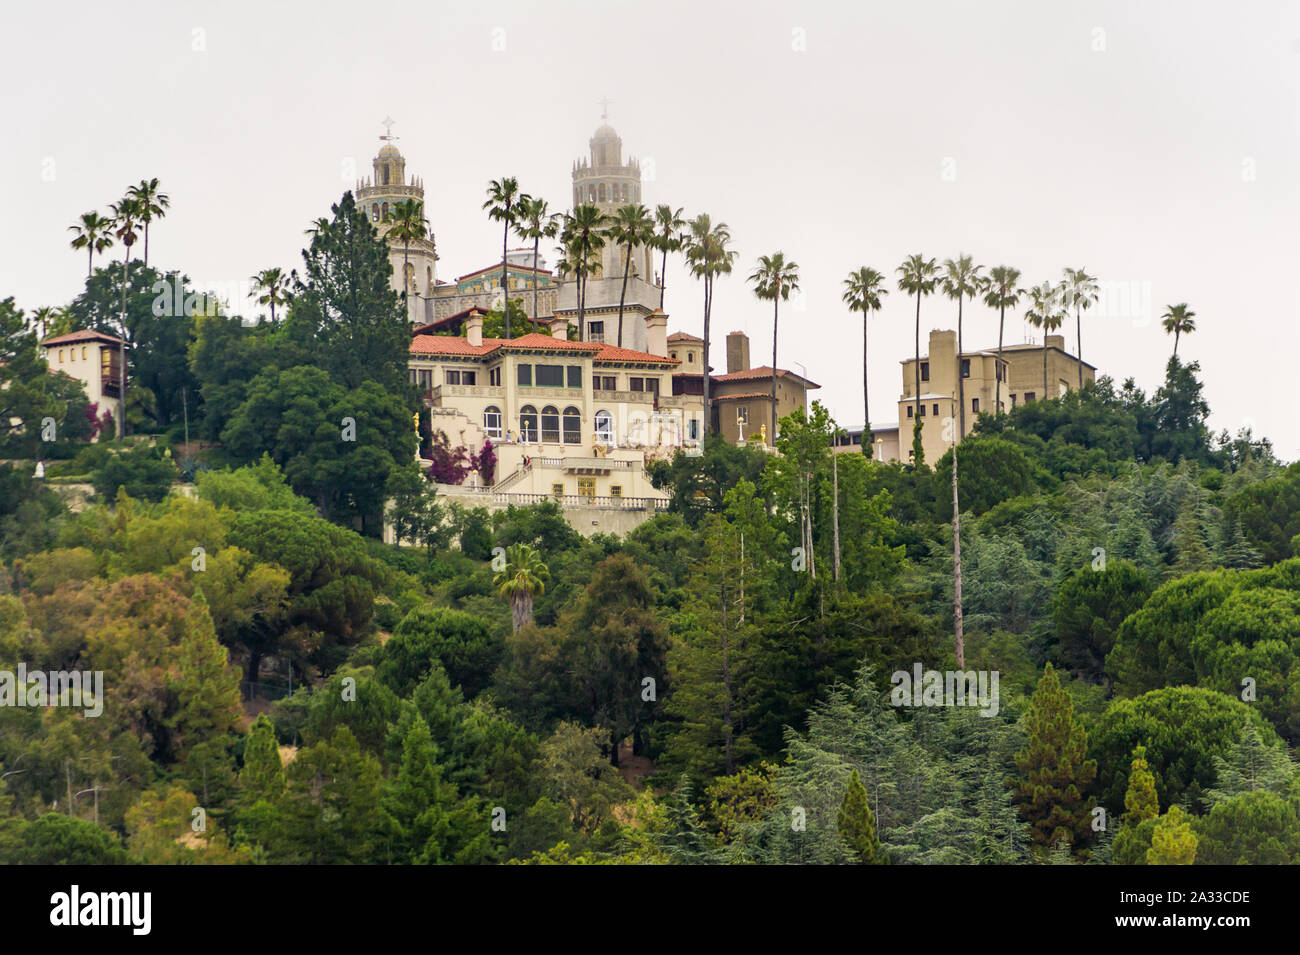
column 1140, row 801
column 1055, row 772
column 1173, row 842
column 263, row 773
column 1251, row 766
column 856, row 825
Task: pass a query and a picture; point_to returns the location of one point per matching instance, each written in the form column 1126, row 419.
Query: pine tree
column 1173, row 842
column 857, row 827
column 1251, row 766
column 263, row 774
column 1140, row 801
column 1054, row 769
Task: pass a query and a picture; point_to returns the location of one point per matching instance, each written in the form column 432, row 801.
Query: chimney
column 656, row 333
column 474, row 327
column 737, row 352
column 560, row 327
column 1056, row 341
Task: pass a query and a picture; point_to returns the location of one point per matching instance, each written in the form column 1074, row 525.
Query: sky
column 1157, row 145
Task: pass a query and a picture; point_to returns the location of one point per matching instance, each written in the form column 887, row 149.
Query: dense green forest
column 281, row 686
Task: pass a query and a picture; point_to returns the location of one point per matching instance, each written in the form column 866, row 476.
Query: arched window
column 492, row 421
column 550, row 425
column 604, row 427
column 383, row 210
column 374, row 211
column 385, row 171
column 527, row 423
column 572, row 426
column 600, row 192
column 428, row 281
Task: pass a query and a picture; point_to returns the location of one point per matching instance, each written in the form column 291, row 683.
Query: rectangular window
column 451, row 377
column 469, row 378
column 595, row 331
column 652, row 385
column 574, row 373
column 616, row 490
column 975, row 405
column 965, row 367
column 550, row 376
column 936, row 411
column 925, row 371
column 743, row 413
column 557, row 489
column 922, row 411
column 587, row 487
column 636, row 384
column 1029, row 396
column 693, row 429
column 1013, row 401
column 426, row 379
column 494, row 377
column 909, row 411
column 525, row 374
column 609, row 383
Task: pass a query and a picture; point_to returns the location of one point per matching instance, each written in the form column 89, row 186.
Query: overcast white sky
column 1155, row 144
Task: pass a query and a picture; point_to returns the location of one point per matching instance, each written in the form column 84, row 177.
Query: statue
column 762, row 432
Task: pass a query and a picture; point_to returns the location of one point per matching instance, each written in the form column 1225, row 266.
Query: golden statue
column 762, row 432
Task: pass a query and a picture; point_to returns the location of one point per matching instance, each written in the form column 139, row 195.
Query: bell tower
column 379, row 197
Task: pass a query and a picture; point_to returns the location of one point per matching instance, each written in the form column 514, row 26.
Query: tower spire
column 604, row 109
column 388, row 124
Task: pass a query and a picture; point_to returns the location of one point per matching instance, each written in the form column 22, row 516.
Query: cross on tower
column 388, row 129
column 604, row 109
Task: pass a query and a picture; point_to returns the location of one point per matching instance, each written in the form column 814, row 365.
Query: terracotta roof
column 457, row 346
column 747, row 396
column 496, row 267
column 763, row 371
column 448, row 320
column 86, row 335
column 614, row 353
column 684, row 337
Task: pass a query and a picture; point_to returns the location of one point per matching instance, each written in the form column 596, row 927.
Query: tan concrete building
column 94, row 359
column 575, row 422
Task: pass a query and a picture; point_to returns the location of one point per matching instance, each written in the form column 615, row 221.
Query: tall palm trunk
column 997, row 374
column 627, row 267
column 835, row 510
column 866, row 400
column 536, row 240
column 708, row 420
column 663, row 276
column 916, row 414
column 406, row 286
column 505, row 289
column 1176, row 334
column 775, row 309
column 956, row 568
column 121, row 347
column 521, row 610
column 961, row 379
column 90, row 261
column 1044, row 366
column 1078, row 342
column 146, row 241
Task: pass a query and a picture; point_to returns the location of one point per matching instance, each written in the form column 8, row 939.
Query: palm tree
column 317, row 226
column 536, row 222
column 862, row 292
column 407, row 224
column 1178, row 320
column 631, row 226
column 126, row 216
column 94, row 234
column 582, row 238
column 1046, row 311
column 152, row 205
column 45, row 317
column 961, row 280
column 1081, row 292
column 709, row 257
column 1003, row 293
column 774, row 279
column 524, row 577
column 503, row 198
column 917, row 276
column 668, row 238
column 274, row 286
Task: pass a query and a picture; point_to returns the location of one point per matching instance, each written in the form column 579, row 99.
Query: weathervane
column 604, row 109
column 388, row 129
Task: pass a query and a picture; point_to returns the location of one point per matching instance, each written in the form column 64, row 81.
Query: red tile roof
column 533, row 341
column 747, row 396
column 683, row 337
column 85, row 335
column 764, row 371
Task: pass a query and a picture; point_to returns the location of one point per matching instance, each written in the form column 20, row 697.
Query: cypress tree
column 857, row 827
column 1140, row 802
column 1054, row 769
column 1173, row 842
column 263, row 774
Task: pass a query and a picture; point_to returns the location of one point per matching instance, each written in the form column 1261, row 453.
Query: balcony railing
column 609, row 503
